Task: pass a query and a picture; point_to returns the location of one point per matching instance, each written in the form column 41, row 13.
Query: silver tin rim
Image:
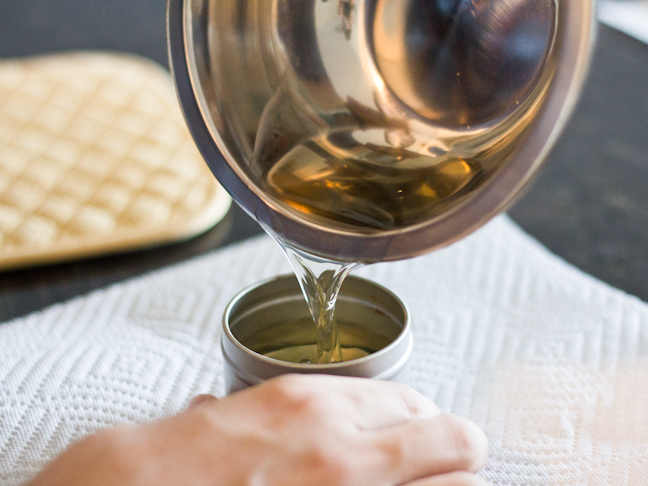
column 575, row 37
column 253, row 368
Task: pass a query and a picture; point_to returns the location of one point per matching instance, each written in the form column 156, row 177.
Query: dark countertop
column 589, row 204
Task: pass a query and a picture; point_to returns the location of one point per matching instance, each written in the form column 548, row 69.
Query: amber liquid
column 365, row 149
column 336, row 145
column 366, row 187
column 320, row 280
column 295, row 341
column 340, row 182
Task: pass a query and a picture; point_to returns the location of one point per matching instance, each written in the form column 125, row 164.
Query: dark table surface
column 589, row 204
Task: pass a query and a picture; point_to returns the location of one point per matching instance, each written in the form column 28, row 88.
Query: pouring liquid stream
column 320, row 280
column 378, row 133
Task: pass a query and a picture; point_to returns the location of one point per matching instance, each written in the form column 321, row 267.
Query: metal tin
column 362, row 302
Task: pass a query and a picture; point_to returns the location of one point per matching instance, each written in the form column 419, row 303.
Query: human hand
column 291, row 431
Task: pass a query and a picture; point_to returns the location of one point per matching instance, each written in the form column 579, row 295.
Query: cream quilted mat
column 550, row 362
column 95, row 157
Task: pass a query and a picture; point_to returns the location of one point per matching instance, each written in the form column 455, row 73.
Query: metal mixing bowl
column 424, row 80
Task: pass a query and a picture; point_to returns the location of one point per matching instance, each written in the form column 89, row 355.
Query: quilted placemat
column 550, row 362
column 95, row 157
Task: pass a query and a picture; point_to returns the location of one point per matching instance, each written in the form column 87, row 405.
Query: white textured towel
column 629, row 16
column 550, row 362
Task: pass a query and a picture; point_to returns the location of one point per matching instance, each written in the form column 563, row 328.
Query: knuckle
column 468, row 442
column 294, row 393
column 394, row 453
column 417, row 405
column 331, row 465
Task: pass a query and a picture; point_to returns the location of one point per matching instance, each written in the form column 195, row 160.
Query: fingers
column 368, row 404
column 383, row 403
column 424, row 448
column 347, row 430
column 200, row 399
column 458, row 478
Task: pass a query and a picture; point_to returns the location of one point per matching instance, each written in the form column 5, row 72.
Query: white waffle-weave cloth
column 550, row 362
column 629, row 16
